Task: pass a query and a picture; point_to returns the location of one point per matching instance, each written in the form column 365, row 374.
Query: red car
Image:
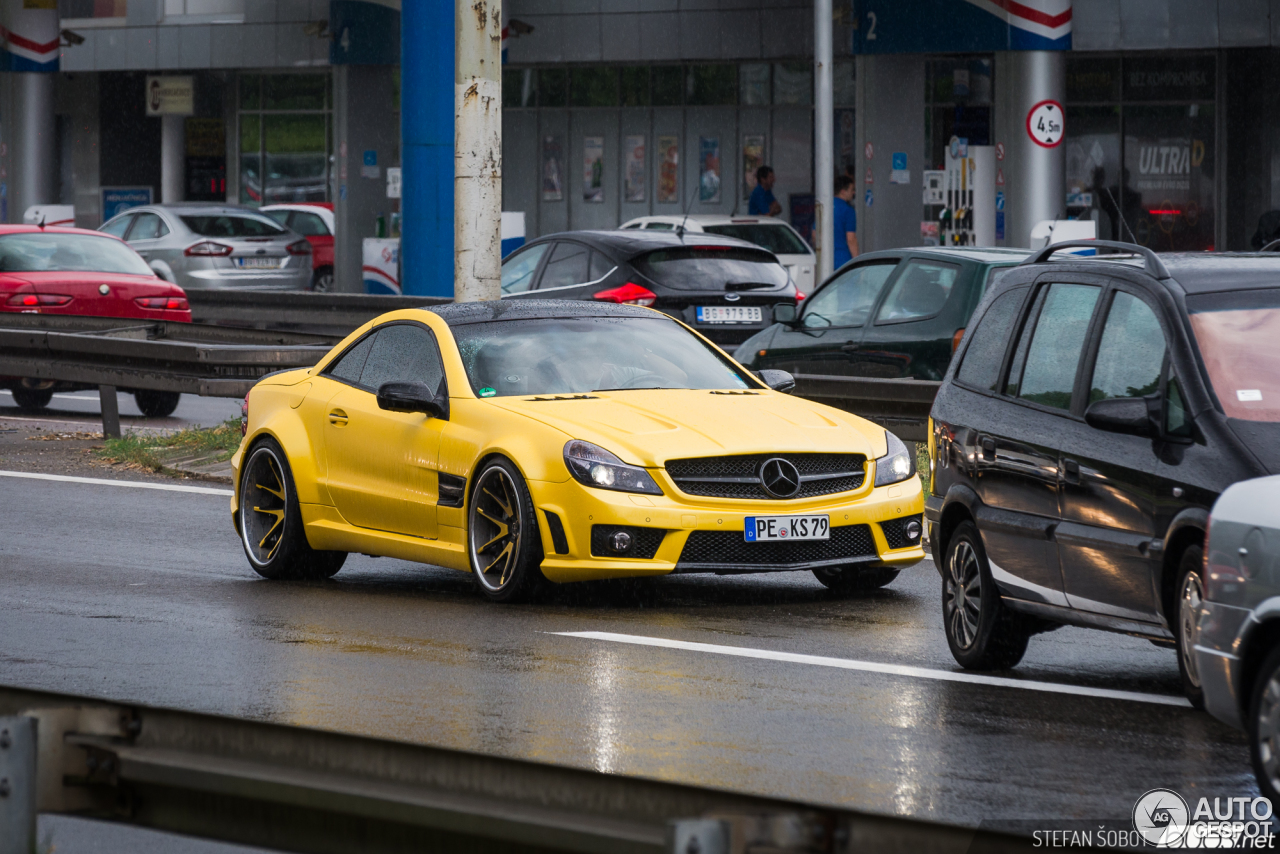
column 314, row 221
column 81, row 272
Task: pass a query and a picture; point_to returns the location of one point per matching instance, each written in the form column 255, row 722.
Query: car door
column 119, row 226
column 382, row 467
column 830, row 327
column 520, row 269
column 146, row 233
column 911, row 335
column 1015, row 452
column 1108, row 492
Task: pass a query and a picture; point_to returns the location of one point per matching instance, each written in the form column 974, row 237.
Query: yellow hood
column 647, row 427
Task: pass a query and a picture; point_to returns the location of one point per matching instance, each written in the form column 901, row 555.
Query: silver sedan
column 201, row 245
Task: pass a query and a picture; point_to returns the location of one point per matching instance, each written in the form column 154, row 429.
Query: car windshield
column 586, row 354
column 710, row 268
column 1239, row 337
column 777, row 238
column 50, row 252
column 233, row 225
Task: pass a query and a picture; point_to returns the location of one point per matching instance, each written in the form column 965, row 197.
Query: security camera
column 70, row 38
column 519, row 28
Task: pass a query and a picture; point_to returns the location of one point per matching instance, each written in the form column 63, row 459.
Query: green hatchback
column 895, row 314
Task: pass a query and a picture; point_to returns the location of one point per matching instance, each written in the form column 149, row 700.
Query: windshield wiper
column 748, row 286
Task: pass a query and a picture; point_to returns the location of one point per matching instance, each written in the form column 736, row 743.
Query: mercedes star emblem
column 780, row 478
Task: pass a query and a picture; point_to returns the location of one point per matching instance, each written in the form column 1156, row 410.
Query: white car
column 764, row 231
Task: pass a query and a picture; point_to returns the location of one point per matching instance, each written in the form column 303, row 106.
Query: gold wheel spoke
column 279, row 520
column 498, row 522
column 502, row 554
column 502, row 502
column 491, row 542
column 277, row 493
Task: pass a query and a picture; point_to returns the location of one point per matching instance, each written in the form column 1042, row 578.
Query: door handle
column 338, row 418
column 1071, row 471
column 988, row 448
column 850, row 346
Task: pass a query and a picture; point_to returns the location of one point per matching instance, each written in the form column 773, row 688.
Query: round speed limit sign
column 1046, row 124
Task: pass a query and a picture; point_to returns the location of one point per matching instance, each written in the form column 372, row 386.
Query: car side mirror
column 412, row 397
column 1129, row 415
column 777, row 380
column 785, row 313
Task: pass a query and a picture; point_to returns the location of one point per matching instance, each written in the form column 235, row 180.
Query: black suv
column 1088, row 423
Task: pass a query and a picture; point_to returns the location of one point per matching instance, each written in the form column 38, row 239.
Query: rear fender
column 1187, row 528
column 283, row 424
column 164, row 271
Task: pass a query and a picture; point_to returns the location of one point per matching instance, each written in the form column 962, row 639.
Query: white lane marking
column 890, row 669
column 96, row 481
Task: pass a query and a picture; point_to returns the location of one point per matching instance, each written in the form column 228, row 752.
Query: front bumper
column 579, row 508
column 1218, row 651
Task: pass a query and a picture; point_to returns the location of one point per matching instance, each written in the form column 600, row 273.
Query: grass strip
column 213, row 444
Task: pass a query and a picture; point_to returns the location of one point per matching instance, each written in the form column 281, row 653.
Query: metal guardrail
column 901, row 406
column 307, row 790
column 297, row 309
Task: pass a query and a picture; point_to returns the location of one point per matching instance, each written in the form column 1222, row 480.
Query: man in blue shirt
column 845, row 221
column 762, row 201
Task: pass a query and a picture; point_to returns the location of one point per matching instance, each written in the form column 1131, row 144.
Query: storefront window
column 712, row 84
column 594, row 87
column 1093, row 174
column 958, row 103
column 553, row 87
column 518, row 87
column 285, row 138
column 1169, row 167
column 793, row 84
column 753, row 84
column 633, row 86
column 668, row 86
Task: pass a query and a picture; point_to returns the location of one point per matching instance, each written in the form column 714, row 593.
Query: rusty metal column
column 824, row 172
column 477, row 145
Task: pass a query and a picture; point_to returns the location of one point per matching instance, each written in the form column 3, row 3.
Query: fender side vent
column 558, row 539
column 452, row 489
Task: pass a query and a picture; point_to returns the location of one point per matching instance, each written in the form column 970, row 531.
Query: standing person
column 845, row 221
column 762, row 201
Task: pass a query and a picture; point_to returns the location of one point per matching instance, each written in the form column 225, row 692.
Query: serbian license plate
column 771, row 529
column 729, row 314
column 258, row 263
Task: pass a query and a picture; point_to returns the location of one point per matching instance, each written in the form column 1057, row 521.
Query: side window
column 403, row 352
column 847, row 300
column 1131, row 352
column 566, row 266
column 989, row 340
column 117, row 227
column 601, row 266
column 280, row 216
column 920, row 291
column 659, row 226
column 518, row 269
column 351, row 363
column 308, row 224
column 148, row 226
column 1044, row 371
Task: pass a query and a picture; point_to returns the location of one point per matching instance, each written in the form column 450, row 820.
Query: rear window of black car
column 712, row 267
column 988, row 341
column 232, row 225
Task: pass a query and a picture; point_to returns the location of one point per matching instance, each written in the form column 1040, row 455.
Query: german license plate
column 772, row 529
column 729, row 314
column 258, row 263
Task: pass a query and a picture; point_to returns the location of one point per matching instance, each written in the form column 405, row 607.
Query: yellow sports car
column 532, row 440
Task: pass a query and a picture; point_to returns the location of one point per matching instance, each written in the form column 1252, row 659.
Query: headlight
column 592, row 465
column 897, row 464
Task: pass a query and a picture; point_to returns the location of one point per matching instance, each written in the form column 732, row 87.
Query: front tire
column 1190, row 592
column 503, row 540
column 982, row 633
column 32, row 399
column 156, row 404
column 1263, row 726
column 322, row 281
column 270, row 520
column 845, row 580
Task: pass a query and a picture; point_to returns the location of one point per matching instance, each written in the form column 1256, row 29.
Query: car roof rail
column 1273, row 246
column 1151, row 261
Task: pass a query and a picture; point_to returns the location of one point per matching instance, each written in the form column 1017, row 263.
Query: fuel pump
column 968, row 215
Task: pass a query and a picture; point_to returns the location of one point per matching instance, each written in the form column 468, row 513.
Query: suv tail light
column 36, row 300
column 207, row 248
column 628, row 294
column 171, row 303
column 956, row 339
column 299, row 247
column 244, row 415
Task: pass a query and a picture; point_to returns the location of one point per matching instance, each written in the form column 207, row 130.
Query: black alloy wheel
column 1185, row 621
column 844, row 580
column 503, row 540
column 156, row 404
column 270, row 520
column 32, row 399
column 982, row 633
column 322, row 281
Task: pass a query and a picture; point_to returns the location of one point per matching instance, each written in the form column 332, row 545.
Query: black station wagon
column 1092, row 417
column 890, row 314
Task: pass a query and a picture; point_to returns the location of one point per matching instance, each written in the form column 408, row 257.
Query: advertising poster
column 593, row 169
column 752, row 159
column 633, row 168
column 709, row 169
column 552, row 169
column 668, row 169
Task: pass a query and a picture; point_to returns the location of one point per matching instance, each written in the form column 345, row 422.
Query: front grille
column 644, row 541
column 727, row 550
column 895, row 532
column 739, row 476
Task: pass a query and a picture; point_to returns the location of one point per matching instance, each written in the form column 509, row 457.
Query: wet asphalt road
column 82, row 410
column 134, row 594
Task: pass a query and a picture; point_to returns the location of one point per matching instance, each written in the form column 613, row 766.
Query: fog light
column 913, row 530
column 621, row 541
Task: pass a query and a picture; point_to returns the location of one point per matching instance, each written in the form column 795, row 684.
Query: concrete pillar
column 890, row 118
column 824, row 170
column 477, row 142
column 1034, row 176
column 173, row 159
column 35, row 142
column 427, row 77
column 363, row 125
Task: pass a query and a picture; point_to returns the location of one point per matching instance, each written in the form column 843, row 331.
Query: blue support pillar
column 426, row 138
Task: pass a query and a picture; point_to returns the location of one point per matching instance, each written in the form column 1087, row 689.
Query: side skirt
column 1087, row 620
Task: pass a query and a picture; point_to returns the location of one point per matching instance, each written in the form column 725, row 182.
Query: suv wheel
column 982, row 633
column 1186, row 620
column 1263, row 726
